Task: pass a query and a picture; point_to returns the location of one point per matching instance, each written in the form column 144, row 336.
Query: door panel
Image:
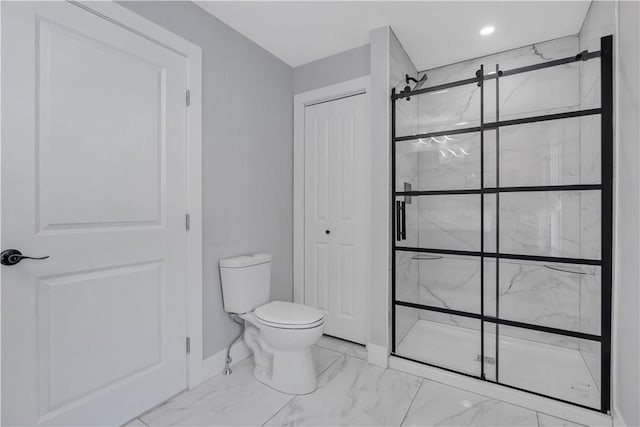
column 321, row 138
column 73, row 71
column 319, row 292
column 119, row 306
column 336, row 219
column 94, row 175
column 347, row 281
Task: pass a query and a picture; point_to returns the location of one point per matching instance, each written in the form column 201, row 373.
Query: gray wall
column 389, row 64
column 626, row 351
column 380, row 293
column 343, row 66
column 247, row 154
column 400, row 64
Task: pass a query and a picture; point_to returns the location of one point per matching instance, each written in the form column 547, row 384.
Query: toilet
column 280, row 334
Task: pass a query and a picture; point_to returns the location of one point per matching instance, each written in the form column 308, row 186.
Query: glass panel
column 453, row 108
column 562, row 367
column 490, row 106
column 407, row 165
column 490, row 333
column 545, row 91
column 590, row 82
column 439, row 163
column 552, row 223
column 442, row 222
column 563, row 296
column 444, row 340
column 556, row 152
column 407, row 277
column 446, row 281
column 407, row 116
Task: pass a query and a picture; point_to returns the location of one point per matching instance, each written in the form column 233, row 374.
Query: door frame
column 358, row 86
column 125, row 18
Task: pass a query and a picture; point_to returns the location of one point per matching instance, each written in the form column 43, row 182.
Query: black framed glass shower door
column 502, row 237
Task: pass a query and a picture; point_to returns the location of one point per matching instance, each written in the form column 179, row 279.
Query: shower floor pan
column 551, row 370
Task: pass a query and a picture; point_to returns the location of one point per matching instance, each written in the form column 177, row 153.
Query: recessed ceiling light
column 487, row 30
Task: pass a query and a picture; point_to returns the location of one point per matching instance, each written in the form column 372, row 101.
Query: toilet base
column 294, row 372
column 288, row 371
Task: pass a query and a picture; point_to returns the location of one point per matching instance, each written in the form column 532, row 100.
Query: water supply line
column 227, row 363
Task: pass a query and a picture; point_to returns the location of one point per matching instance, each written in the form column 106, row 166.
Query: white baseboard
column 378, row 355
column 214, row 365
column 515, row 397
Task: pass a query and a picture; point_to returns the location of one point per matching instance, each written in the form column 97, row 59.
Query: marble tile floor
column 350, row 393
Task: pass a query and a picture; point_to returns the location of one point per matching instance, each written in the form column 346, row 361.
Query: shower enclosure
column 502, row 210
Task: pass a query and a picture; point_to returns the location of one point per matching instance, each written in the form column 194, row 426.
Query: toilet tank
column 246, row 282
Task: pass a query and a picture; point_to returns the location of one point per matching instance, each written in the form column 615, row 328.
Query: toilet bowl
column 280, row 334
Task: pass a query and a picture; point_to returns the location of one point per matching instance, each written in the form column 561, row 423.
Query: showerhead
column 418, row 83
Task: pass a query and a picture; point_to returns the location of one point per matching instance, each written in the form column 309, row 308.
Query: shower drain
column 487, row 359
column 581, row 387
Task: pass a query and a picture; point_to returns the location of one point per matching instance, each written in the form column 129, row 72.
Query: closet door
column 336, row 214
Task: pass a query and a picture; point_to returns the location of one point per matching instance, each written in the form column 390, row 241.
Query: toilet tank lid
column 245, row 260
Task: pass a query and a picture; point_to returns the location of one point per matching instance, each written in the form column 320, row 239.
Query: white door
column 337, row 206
column 94, row 176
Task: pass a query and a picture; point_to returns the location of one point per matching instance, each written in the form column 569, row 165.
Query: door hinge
column 187, row 221
column 188, row 345
column 188, row 98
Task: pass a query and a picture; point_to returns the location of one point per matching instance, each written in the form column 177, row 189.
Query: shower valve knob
column 327, row 232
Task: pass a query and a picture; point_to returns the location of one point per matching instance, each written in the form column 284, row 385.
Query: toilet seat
column 288, row 315
column 283, row 326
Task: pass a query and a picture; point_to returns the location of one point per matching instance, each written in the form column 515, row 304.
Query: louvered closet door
column 336, row 214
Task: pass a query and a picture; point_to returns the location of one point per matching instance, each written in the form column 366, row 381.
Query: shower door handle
column 398, row 221
column 404, row 220
column 401, row 221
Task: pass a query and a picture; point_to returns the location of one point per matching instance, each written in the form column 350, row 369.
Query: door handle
column 14, row 256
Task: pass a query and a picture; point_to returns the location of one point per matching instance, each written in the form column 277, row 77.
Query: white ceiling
column 433, row 33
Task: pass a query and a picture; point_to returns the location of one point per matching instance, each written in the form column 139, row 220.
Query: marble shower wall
column 543, row 294
column 550, row 223
column 407, row 280
column 599, row 22
column 542, row 92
